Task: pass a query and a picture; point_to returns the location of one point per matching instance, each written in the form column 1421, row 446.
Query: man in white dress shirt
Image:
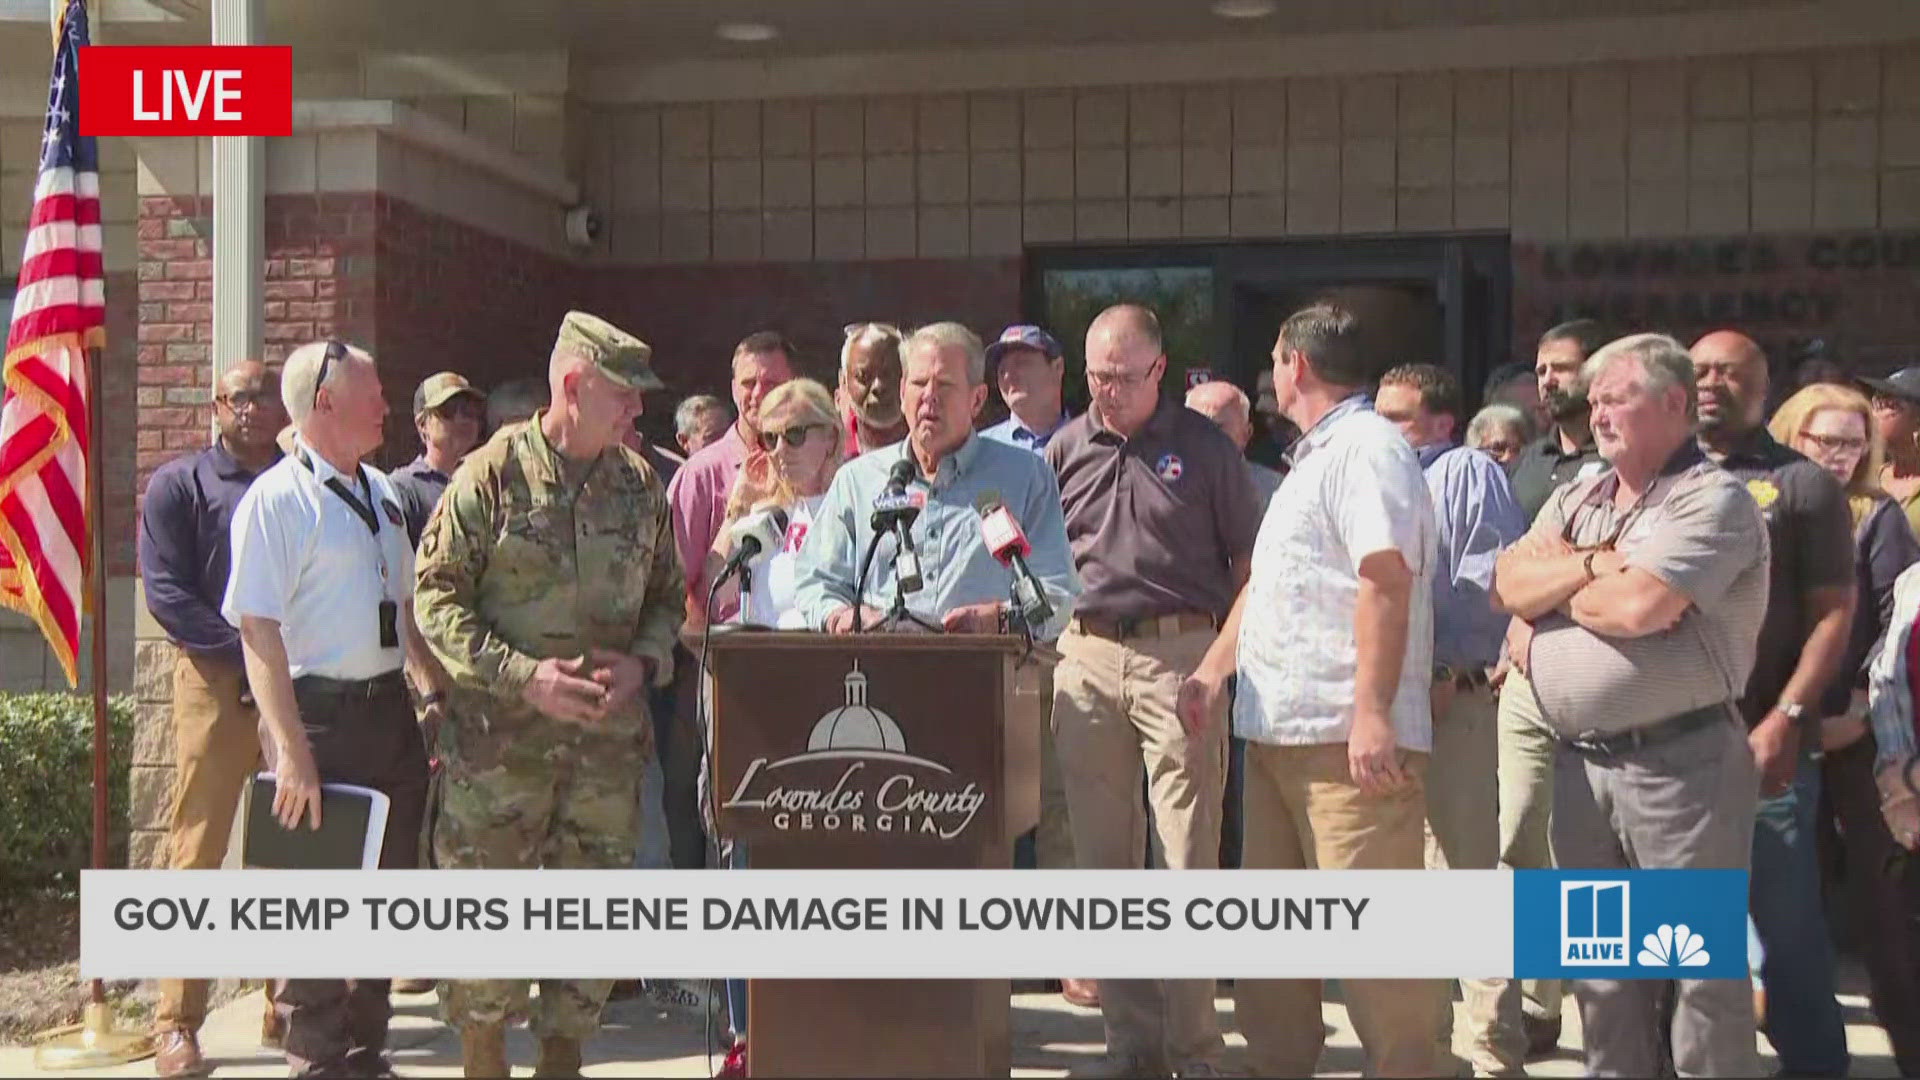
column 321, row 589
column 1333, row 642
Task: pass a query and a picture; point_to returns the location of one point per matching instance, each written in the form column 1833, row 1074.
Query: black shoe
column 1543, row 1035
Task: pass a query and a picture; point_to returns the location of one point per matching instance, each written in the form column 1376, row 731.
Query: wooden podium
column 932, row 744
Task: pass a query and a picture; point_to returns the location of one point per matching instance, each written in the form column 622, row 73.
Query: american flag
column 58, row 314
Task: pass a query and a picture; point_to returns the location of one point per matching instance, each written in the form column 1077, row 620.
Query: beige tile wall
column 1713, row 146
column 20, row 165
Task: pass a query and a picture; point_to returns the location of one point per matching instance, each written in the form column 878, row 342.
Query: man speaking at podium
column 935, row 490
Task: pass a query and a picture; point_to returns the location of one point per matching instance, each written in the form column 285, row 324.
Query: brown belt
column 1159, row 626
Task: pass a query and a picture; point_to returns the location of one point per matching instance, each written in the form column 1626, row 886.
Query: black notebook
column 353, row 821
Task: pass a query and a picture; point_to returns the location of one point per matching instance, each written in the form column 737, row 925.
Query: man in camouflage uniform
column 550, row 590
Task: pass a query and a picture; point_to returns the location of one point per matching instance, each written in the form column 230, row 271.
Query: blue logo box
column 1630, row 924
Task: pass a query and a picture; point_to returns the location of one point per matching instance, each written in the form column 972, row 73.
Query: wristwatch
column 1792, row 710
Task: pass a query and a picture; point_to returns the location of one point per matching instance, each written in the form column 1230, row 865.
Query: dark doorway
column 1439, row 299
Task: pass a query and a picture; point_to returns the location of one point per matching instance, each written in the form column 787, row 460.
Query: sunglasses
column 795, row 437
column 335, row 351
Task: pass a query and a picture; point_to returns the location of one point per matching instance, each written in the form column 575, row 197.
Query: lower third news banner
column 928, row 924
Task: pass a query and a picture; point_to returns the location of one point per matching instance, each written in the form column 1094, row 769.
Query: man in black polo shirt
column 1161, row 520
column 1566, row 452
column 1810, row 600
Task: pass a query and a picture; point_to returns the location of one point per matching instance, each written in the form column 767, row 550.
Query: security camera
column 583, row 226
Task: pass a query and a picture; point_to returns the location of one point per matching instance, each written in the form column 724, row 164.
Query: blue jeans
column 1803, row 1021
column 737, row 988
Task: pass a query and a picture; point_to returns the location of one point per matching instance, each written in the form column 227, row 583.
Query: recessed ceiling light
column 1243, row 9
column 746, row 32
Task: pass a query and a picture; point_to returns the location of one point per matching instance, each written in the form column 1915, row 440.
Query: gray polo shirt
column 1699, row 531
column 1154, row 520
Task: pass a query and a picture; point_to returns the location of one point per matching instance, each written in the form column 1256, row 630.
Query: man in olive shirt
column 1810, row 601
column 1529, row 1021
column 1638, row 597
column 1161, row 519
column 1566, row 452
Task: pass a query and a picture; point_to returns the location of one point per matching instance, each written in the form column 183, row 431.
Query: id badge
column 389, row 624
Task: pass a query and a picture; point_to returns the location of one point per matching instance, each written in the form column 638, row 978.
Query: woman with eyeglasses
column 802, row 446
column 1834, row 426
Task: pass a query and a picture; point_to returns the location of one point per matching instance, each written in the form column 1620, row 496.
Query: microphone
column 1007, row 543
column 895, row 510
column 760, row 531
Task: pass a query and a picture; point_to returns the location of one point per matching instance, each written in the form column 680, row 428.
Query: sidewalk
column 1049, row 1037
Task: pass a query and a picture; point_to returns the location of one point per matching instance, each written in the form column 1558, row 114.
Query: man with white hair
column 550, row 592
column 1227, row 406
column 869, row 390
column 321, row 589
column 698, row 421
column 1638, row 598
column 965, row 587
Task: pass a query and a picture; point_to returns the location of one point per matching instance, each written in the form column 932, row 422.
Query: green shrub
column 46, row 788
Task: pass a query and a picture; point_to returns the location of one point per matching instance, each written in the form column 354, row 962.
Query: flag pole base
column 95, row 1044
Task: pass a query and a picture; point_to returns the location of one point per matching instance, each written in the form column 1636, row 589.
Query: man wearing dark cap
column 1896, row 412
column 1026, row 364
column 550, row 592
column 450, row 416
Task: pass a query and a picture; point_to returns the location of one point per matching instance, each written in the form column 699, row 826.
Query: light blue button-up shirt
column 954, row 560
column 1478, row 517
column 1016, row 434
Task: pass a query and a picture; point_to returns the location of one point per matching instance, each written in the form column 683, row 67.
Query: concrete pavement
column 1050, row 1037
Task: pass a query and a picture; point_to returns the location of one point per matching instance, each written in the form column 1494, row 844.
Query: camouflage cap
column 619, row 355
column 436, row 390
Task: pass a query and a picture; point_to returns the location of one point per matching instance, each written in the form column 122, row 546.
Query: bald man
column 185, row 552
column 1227, row 406
column 1810, row 603
column 1161, row 519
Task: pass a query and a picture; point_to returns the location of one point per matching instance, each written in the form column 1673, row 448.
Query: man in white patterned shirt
column 1332, row 639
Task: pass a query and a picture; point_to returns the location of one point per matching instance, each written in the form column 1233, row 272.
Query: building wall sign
column 1848, row 296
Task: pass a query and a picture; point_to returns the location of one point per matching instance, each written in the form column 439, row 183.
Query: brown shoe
column 273, row 1030
column 1082, row 992
column 559, row 1057
column 483, row 1051
column 178, row 1054
column 414, row 986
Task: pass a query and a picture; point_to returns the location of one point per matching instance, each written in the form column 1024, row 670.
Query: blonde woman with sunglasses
column 800, row 447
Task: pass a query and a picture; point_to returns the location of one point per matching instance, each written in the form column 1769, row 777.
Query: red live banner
column 145, row 90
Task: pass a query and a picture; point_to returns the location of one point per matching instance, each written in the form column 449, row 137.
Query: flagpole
column 97, row 603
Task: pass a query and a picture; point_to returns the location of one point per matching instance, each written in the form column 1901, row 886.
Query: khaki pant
column 1526, row 809
column 1053, row 838
column 1113, row 715
column 1463, row 833
column 216, row 747
column 1303, row 811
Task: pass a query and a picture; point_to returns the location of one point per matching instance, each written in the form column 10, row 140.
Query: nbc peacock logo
column 1673, row 946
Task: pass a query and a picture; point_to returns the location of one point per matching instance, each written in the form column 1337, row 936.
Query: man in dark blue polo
column 451, row 417
column 184, row 556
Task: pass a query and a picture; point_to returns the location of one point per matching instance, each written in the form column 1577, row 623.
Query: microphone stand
column 899, row 613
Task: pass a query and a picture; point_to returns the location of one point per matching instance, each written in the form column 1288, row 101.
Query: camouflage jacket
column 518, row 565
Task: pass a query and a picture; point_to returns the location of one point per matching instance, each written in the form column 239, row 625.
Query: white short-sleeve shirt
column 1356, row 488
column 771, row 602
column 303, row 557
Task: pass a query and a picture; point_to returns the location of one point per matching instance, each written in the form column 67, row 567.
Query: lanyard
column 362, row 510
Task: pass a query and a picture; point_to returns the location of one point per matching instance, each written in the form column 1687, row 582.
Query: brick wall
column 452, row 297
